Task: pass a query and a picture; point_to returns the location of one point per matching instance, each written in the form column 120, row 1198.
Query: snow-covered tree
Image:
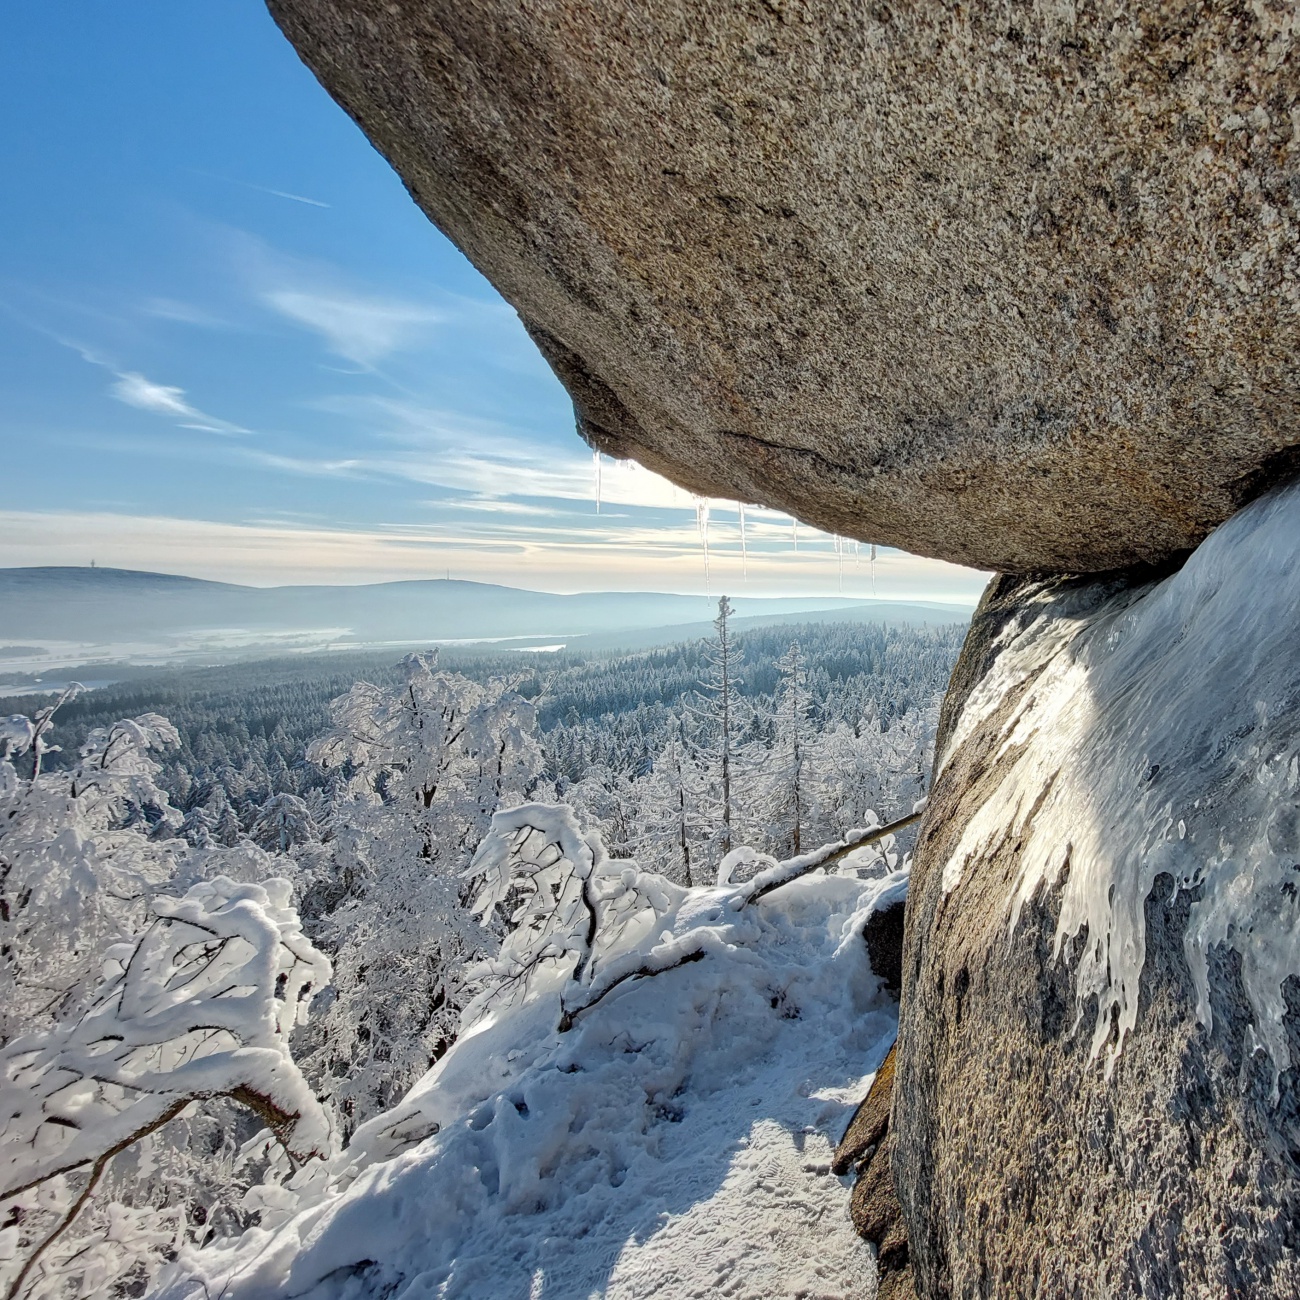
column 122, row 999
column 78, row 858
column 868, row 769
column 228, row 832
column 199, row 827
column 671, row 828
column 716, row 713
column 283, row 822
column 433, row 759
column 785, row 798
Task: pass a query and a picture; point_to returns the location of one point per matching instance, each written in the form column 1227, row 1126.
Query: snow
column 200, row 1006
column 1159, row 733
column 674, row 1142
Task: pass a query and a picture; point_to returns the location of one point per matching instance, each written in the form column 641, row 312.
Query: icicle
column 744, row 549
column 702, row 523
column 839, row 555
column 794, row 533
column 873, row 568
column 595, row 458
column 857, row 553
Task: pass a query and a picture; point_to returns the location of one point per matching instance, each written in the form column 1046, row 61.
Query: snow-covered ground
column 675, row 1142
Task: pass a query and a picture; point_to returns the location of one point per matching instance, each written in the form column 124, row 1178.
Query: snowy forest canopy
column 244, row 729
column 326, row 849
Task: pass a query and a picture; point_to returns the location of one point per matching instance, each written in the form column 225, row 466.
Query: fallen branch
column 783, row 873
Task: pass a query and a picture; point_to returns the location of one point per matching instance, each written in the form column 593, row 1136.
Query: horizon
column 478, row 582
column 234, row 346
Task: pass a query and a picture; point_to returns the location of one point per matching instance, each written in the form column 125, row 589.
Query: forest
column 244, row 909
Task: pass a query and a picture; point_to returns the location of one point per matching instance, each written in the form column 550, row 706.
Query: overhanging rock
column 1010, row 285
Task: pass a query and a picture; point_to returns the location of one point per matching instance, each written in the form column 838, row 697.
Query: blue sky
column 231, row 346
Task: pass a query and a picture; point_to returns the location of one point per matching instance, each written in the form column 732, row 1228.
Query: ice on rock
column 702, row 526
column 1160, row 732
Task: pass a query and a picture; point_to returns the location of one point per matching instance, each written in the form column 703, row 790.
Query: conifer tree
column 716, row 713
column 787, row 786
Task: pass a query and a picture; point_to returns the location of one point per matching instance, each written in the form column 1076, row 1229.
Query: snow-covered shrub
column 570, row 910
column 80, row 854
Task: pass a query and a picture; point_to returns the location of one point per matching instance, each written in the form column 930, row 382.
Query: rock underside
column 1014, row 286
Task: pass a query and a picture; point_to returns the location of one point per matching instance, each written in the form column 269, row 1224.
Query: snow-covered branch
column 582, row 924
column 782, row 873
column 200, row 1006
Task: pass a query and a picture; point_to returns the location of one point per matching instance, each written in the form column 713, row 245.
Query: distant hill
column 101, row 606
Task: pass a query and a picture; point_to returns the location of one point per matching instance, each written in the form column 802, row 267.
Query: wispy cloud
column 184, row 313
column 360, row 329
column 135, row 390
column 493, row 506
column 490, row 461
column 308, row 467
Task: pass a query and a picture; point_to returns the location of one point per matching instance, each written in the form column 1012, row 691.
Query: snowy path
column 777, row 1225
column 675, row 1144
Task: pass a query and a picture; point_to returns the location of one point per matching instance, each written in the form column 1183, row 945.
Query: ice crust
column 1156, row 730
column 675, row 1142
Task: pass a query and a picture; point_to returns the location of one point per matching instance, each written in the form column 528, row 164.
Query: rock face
column 1096, row 1088
column 867, row 1150
column 1010, row 285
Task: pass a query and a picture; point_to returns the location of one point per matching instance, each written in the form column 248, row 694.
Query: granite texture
column 1012, row 285
column 867, row 1150
column 1021, row 1168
